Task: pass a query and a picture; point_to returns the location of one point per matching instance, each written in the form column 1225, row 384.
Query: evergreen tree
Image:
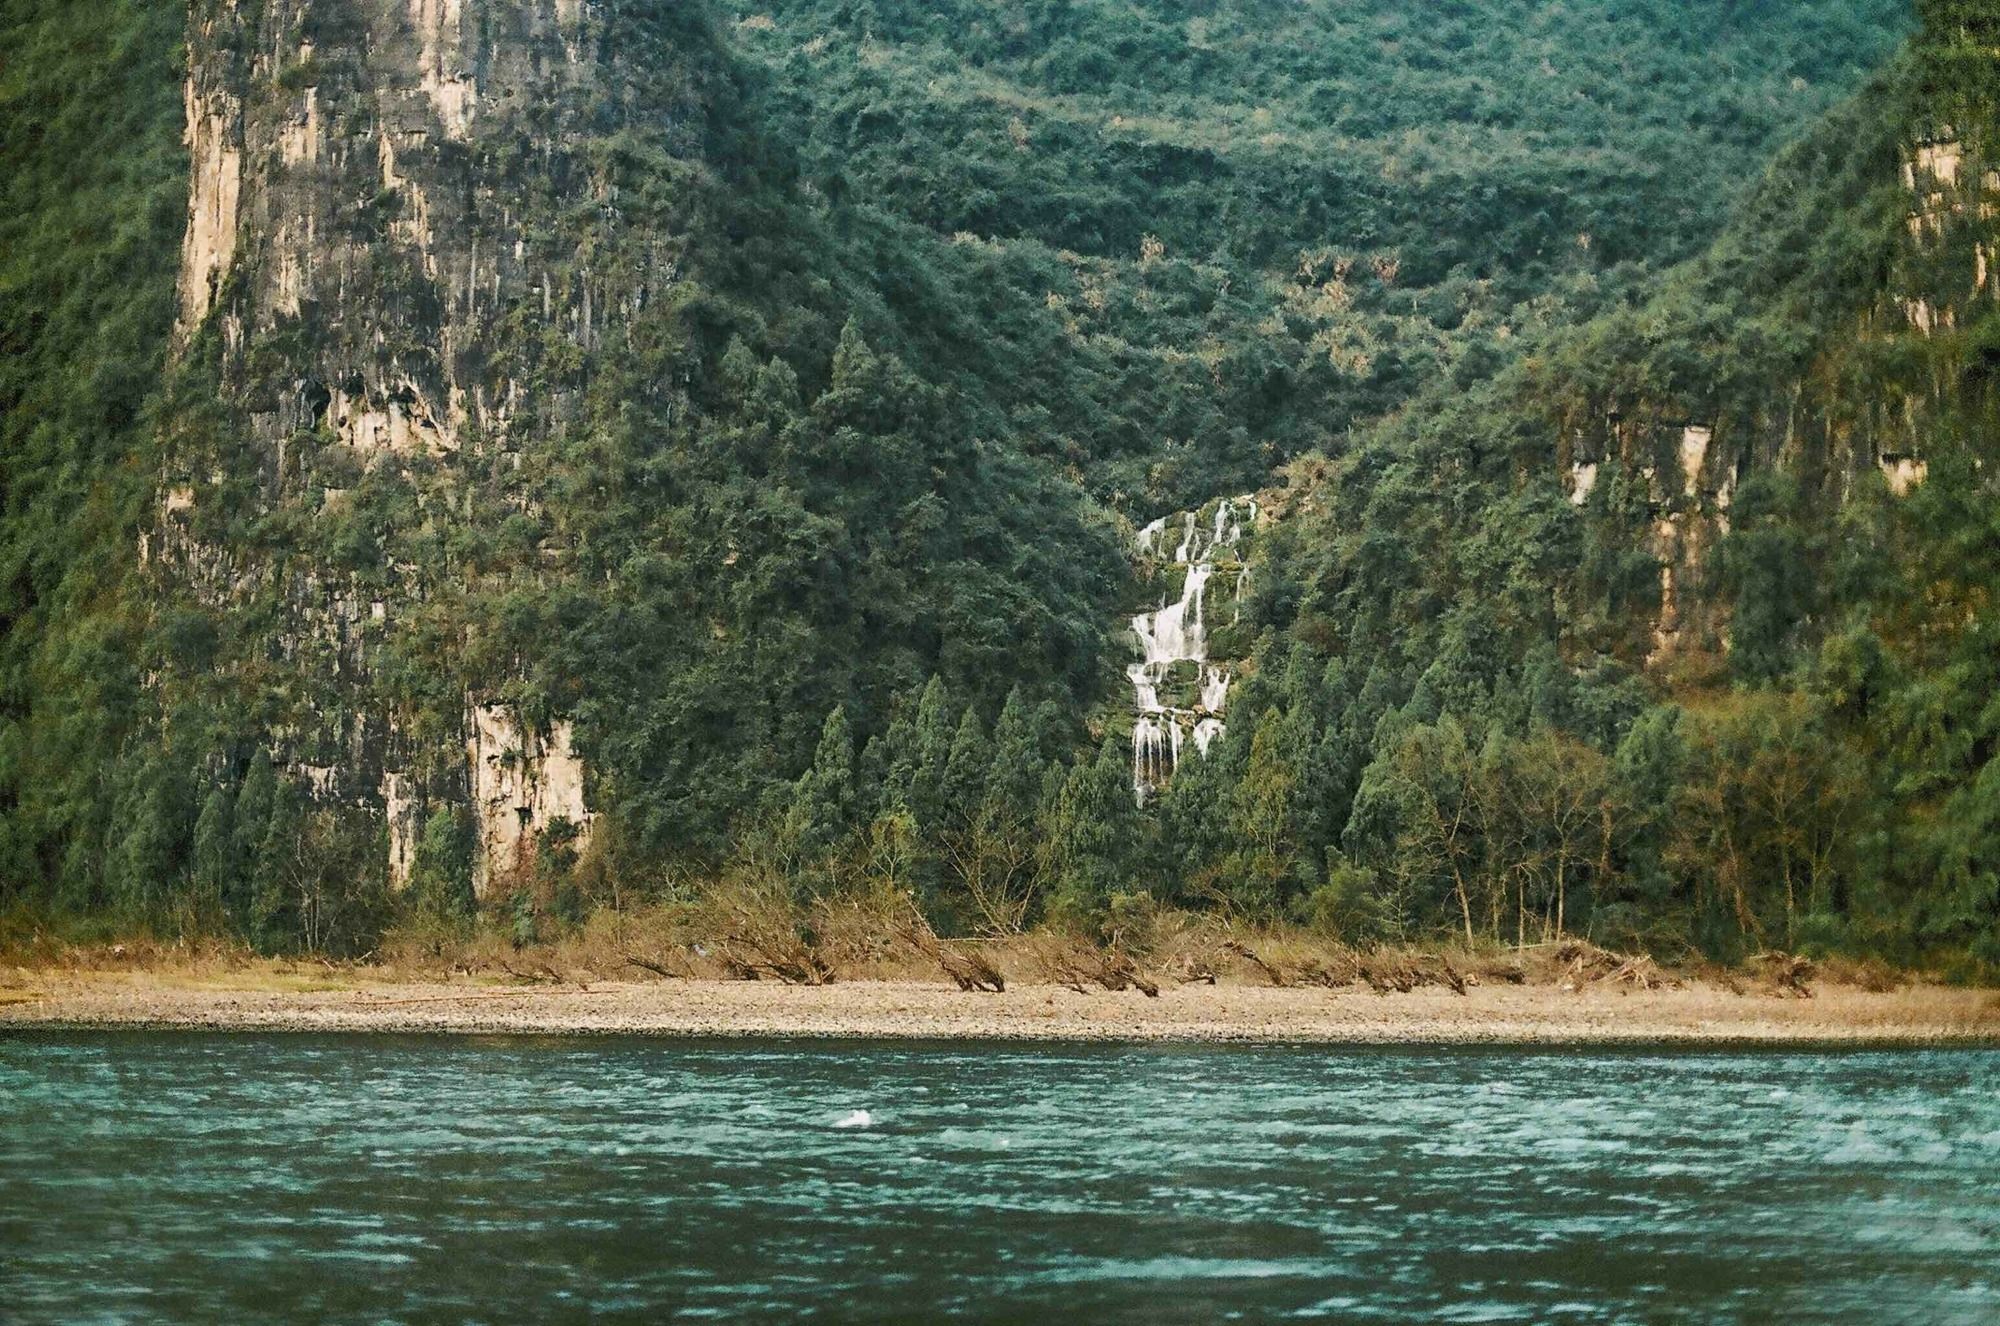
column 1646, row 771
column 824, row 807
column 216, row 866
column 275, row 922
column 255, row 801
column 1014, row 782
column 1765, row 565
column 965, row 773
column 1197, row 841
column 921, row 774
column 1092, row 837
column 149, row 856
column 440, row 883
column 993, row 857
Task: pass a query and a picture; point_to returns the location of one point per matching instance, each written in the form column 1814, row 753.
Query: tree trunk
column 1561, row 867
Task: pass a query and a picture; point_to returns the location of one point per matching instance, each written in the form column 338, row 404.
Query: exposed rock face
column 1683, row 473
column 404, row 253
column 1952, row 210
column 215, row 188
column 357, row 185
column 523, row 784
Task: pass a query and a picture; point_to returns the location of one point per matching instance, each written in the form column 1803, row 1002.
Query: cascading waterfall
column 1176, row 632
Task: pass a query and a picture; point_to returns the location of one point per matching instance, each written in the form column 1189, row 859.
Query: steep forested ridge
column 610, row 445
column 1681, row 623
column 1259, row 223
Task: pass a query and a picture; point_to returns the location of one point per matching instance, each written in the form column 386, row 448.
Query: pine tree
column 1262, row 808
column 254, row 802
column 965, row 772
column 153, row 827
column 1014, row 783
column 216, row 864
column 1092, row 837
column 274, row 911
column 922, row 775
column 892, row 759
column 441, row 870
column 872, row 793
column 1193, row 813
column 1646, row 773
column 1000, row 785
column 824, row 805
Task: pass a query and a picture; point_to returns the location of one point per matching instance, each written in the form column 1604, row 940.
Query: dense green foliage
column 1460, row 696
column 95, row 190
column 824, row 556
column 697, row 572
column 1261, row 223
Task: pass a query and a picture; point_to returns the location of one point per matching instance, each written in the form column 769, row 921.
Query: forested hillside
column 95, row 186
column 606, row 449
column 1257, row 224
column 1680, row 628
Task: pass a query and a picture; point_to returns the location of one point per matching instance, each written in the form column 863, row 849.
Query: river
column 193, row 1177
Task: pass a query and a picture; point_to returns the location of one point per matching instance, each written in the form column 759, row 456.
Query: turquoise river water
column 200, row 1178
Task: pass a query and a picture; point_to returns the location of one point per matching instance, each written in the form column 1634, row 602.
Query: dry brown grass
column 745, row 929
column 1870, row 974
column 1069, row 960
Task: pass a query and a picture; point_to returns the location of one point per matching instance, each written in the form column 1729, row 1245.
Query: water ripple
column 397, row 1178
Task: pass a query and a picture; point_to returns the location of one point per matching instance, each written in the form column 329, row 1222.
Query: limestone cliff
column 406, row 247
column 1868, row 399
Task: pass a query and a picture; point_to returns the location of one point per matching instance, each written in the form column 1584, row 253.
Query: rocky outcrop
column 1679, row 475
column 360, row 188
column 215, row 186
column 524, row 784
column 1682, row 474
column 406, row 250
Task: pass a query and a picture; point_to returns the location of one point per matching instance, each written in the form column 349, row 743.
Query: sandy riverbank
column 1536, row 1014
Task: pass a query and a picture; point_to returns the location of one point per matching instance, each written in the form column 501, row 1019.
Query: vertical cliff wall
column 382, row 183
column 406, row 249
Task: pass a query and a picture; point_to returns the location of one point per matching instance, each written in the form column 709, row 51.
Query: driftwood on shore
column 1275, row 975
column 1081, row 966
column 1787, row 973
column 968, row 969
column 759, row 937
column 1195, row 971
column 540, row 974
column 1641, row 973
column 655, row 966
column 749, row 957
column 1383, row 973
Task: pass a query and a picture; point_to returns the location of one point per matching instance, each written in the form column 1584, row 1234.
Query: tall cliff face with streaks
column 388, row 181
column 1736, row 539
column 550, row 428
column 407, row 247
column 535, row 444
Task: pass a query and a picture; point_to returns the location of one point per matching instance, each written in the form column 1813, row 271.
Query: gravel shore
column 886, row 1009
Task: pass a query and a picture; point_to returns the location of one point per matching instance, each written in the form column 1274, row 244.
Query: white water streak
column 1176, row 632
